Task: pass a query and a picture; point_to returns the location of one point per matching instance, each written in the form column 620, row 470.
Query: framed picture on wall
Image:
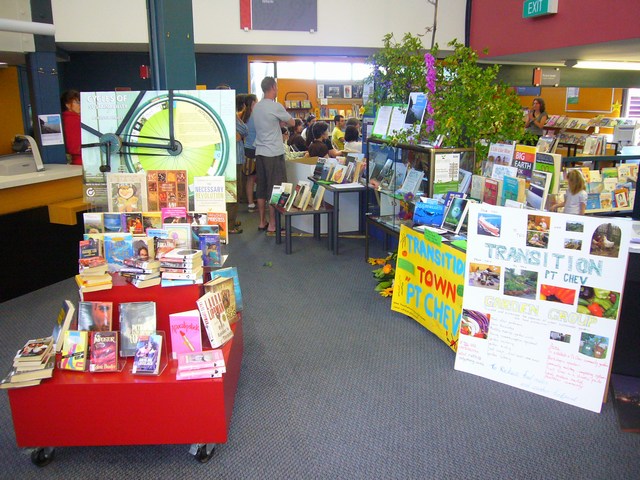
column 334, row 91
column 320, row 91
column 357, row 90
column 347, row 91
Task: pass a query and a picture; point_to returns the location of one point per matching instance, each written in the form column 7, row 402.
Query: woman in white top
column 351, row 140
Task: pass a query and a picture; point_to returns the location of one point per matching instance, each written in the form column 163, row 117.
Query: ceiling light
column 607, row 65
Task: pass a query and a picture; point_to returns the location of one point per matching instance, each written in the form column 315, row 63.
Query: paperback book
column 209, row 194
column 211, row 249
column 186, row 335
column 167, row 188
column 95, row 316
column 232, row 272
column 148, row 353
column 75, row 350
column 224, row 286
column 214, row 319
column 136, row 318
column 63, row 323
column 127, row 192
column 103, row 352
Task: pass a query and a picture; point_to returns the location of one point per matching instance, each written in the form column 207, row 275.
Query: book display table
column 142, row 410
column 325, row 209
column 336, row 190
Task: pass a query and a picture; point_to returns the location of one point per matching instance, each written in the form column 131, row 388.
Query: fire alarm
column 144, row 72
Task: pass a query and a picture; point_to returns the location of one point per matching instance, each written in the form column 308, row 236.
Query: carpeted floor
column 335, row 385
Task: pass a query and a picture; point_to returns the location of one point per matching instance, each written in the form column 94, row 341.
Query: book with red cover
column 186, row 336
column 103, row 352
column 491, row 191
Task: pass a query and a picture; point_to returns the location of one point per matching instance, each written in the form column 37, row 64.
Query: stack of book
column 141, row 272
column 33, row 363
column 181, row 266
column 195, row 365
column 92, row 267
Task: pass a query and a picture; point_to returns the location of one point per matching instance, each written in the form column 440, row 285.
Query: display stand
column 324, row 209
column 151, row 409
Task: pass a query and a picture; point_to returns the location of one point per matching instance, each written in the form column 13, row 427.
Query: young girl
column 575, row 200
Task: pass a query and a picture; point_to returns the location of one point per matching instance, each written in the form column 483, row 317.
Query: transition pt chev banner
column 429, row 282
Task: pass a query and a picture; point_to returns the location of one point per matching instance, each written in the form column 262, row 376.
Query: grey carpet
column 335, row 385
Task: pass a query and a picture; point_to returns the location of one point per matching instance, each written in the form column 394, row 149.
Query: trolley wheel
column 204, row 452
column 42, row 457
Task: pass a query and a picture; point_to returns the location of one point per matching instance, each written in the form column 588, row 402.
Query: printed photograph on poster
column 347, row 91
column 606, row 241
column 333, row 91
column 572, row 244
column 520, row 283
column 489, row 225
column 484, row 275
column 51, row 129
column 551, row 293
column 474, row 323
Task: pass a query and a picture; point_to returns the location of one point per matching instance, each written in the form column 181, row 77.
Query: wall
column 217, row 23
column 11, row 118
column 592, row 102
column 498, row 25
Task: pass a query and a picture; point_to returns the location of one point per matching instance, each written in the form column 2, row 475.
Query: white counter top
column 53, row 171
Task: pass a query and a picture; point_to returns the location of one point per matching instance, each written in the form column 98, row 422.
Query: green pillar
column 173, row 62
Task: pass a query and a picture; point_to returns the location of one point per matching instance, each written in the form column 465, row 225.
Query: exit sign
column 537, row 8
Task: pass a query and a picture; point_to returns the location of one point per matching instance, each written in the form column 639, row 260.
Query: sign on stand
column 542, row 300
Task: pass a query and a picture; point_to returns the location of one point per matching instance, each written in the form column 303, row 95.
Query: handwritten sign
column 428, row 285
column 542, row 300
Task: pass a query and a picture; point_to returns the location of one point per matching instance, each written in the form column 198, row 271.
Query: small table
column 337, row 189
column 324, row 209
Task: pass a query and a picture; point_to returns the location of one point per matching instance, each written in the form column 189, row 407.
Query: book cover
column 180, row 233
column 339, row 173
column 546, row 144
column 186, row 336
column 112, row 222
column 317, row 171
column 593, row 201
column 151, row 220
column 103, row 351
column 430, row 213
column 75, row 350
column 174, row 215
column 524, row 158
column 147, row 355
column 163, row 245
column 95, row 316
column 538, row 189
column 211, row 249
column 499, row 171
column 552, row 163
column 501, row 153
column 595, row 187
column 117, row 248
column 211, row 372
column 609, row 172
column 512, row 189
column 219, row 219
column 209, row 194
column 609, row 184
column 232, row 272
column 199, row 360
column 477, row 187
column 63, row 323
column 594, row 176
column 167, row 188
column 136, row 318
column 276, row 191
column 225, row 287
column 93, row 222
column 197, row 231
column 132, row 223
column 606, row 202
column 491, row 191
column 214, row 319
column 143, row 247
column 621, row 197
column 412, row 181
column 454, row 215
column 90, row 254
column 318, row 197
column 127, row 192
column 35, row 350
column 282, row 201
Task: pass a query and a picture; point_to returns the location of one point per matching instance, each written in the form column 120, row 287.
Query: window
column 296, row 70
column 632, row 107
column 333, row 71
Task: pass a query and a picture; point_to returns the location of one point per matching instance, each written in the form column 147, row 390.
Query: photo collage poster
column 542, row 301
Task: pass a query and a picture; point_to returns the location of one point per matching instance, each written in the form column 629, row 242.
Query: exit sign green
column 536, row 8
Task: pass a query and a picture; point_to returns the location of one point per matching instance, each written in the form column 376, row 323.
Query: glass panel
column 296, row 70
column 333, row 71
column 360, row 71
column 257, row 71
